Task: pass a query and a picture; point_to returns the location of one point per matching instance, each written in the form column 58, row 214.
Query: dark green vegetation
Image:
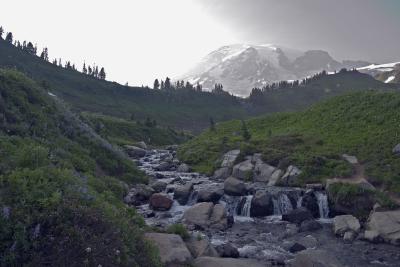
column 182, row 108
column 364, row 124
column 61, row 187
column 122, row 132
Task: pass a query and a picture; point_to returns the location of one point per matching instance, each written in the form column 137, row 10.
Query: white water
column 323, row 205
column 246, row 207
column 282, row 204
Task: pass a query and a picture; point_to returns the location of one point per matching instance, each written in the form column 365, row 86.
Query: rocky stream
column 237, row 223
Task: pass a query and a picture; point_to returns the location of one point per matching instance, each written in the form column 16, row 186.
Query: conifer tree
column 162, row 85
column 84, row 69
column 156, row 85
column 245, row 132
column 102, row 74
column 9, row 37
column 1, row 32
column 167, row 84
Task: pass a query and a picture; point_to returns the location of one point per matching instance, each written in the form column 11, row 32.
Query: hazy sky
column 138, row 40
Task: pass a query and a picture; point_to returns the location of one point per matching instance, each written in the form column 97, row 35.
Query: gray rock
column 275, row 177
column 200, row 247
column 297, row 216
column 396, row 149
column 345, row 223
column 226, row 262
column 182, row 193
column 350, row 159
column 372, row 236
column 234, row 187
column 222, row 173
column 227, row 251
column 138, row 195
column 160, row 202
column 183, row 168
column 263, row 172
column 261, row 204
column 206, row 215
column 135, row 152
column 290, row 176
column 315, row 258
column 172, row 249
column 229, row 158
column 243, row 170
column 164, row 166
column 210, row 195
column 159, row 186
column 310, row 225
column 308, row 241
column 142, row 145
column 296, row 247
column 349, row 237
column 387, row 225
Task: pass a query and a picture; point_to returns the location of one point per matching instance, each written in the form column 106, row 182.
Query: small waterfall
column 322, row 199
column 246, row 207
column 299, row 202
column 282, row 204
column 192, row 198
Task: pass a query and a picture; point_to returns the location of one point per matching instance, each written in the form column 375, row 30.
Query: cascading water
column 282, row 204
column 323, row 205
column 192, row 198
column 246, row 207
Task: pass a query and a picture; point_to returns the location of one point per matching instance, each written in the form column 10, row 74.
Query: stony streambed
column 269, row 239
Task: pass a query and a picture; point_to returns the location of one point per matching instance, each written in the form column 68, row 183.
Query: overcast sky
column 139, row 40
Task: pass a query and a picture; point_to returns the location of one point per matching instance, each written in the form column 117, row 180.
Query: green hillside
column 365, row 124
column 61, row 187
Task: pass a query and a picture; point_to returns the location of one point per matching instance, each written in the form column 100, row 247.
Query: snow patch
column 381, row 67
column 391, row 78
column 51, row 94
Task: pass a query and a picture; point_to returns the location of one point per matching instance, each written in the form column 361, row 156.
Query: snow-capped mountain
column 388, row 73
column 241, row 67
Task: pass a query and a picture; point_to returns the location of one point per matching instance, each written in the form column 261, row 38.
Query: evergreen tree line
column 30, row 48
column 167, row 85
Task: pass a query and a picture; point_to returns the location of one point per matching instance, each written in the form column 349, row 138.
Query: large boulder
column 160, row 202
column 226, row 262
column 243, row 170
column 138, row 195
column 310, row 225
column 142, row 145
column 172, row 249
column 201, row 246
column 310, row 202
column 183, row 168
column 182, row 193
column 234, row 187
column 297, row 216
column 135, row 152
column 345, row 223
column 164, row 166
column 387, row 225
column 222, row 173
column 228, row 160
column 265, row 173
column 210, row 195
column 396, row 149
column 315, row 258
column 290, row 177
column 261, row 204
column 206, row 215
column 159, row 186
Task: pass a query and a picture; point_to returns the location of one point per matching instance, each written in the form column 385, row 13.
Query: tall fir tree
column 156, row 85
column 167, row 83
column 1, row 32
column 102, row 74
column 84, row 69
column 9, row 37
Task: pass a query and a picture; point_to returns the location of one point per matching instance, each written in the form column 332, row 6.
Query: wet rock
column 243, row 170
column 349, row 237
column 138, row 195
column 159, row 186
column 172, row 147
column 206, row 215
column 182, row 193
column 172, row 249
column 310, row 202
column 345, row 223
column 291, row 230
column 229, row 158
column 201, row 246
column 227, row 251
column 297, row 216
column 226, row 262
column 210, row 195
column 222, row 173
column 315, row 187
column 135, row 152
column 160, row 202
column 261, row 204
column 142, row 145
column 296, row 247
column 396, row 149
column 309, row 226
column 164, row 166
column 387, row 225
column 290, row 176
column 372, row 236
column 313, row 258
column 234, row 187
column 183, row 168
column 308, row 241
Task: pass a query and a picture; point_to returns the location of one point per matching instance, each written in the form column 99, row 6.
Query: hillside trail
column 359, row 177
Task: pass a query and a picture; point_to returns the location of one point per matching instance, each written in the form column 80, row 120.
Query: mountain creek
column 248, row 224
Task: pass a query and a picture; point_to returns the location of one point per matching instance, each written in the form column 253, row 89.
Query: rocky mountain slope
column 241, row 67
column 387, row 73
